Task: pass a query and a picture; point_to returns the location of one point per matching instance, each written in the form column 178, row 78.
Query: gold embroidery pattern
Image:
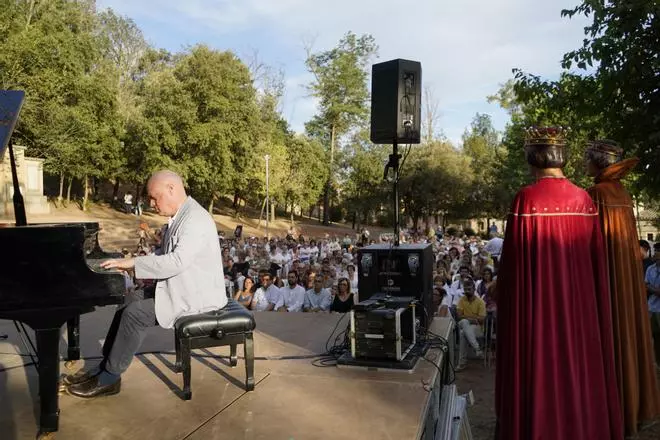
column 556, row 214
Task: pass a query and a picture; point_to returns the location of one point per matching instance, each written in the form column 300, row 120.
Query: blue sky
column 466, row 47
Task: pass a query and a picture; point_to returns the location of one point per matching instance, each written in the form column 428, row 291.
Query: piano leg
column 73, row 337
column 48, row 341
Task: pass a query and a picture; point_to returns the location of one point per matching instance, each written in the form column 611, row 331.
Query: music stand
column 11, row 102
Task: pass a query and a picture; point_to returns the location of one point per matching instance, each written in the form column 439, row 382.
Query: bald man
column 189, row 281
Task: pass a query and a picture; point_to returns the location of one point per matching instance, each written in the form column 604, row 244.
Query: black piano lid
column 11, row 102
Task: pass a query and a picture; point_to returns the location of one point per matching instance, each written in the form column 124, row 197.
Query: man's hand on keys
column 121, row 264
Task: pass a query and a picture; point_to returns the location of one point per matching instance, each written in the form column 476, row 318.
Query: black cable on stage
column 329, row 358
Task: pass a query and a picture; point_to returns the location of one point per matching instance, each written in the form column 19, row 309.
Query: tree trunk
column 326, row 203
column 61, row 194
column 85, row 193
column 261, row 214
column 137, row 191
column 211, row 205
column 318, row 206
column 115, row 190
column 311, row 211
column 68, row 189
column 328, row 185
column 236, row 200
column 354, row 219
column 28, row 19
column 272, row 212
column 95, row 188
column 237, row 210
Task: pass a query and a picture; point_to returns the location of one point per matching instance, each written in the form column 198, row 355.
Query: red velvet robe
column 555, row 375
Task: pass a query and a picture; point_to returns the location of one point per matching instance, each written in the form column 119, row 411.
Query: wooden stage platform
column 293, row 399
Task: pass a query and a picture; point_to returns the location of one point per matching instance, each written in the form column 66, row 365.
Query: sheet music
column 11, row 102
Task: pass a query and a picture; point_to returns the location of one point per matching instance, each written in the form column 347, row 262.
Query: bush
column 384, row 220
column 336, row 214
column 469, row 232
column 451, row 231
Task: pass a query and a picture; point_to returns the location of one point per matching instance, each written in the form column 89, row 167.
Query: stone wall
column 30, row 173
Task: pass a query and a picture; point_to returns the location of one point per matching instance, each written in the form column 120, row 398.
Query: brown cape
column 633, row 347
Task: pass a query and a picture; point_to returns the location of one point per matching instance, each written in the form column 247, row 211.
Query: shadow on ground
column 481, row 381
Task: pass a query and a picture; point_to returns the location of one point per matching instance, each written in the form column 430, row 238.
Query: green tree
column 124, row 46
column 365, row 193
column 436, row 179
column 217, row 145
column 165, row 112
column 271, row 135
column 617, row 95
column 306, row 172
column 53, row 51
column 481, row 144
column 340, row 85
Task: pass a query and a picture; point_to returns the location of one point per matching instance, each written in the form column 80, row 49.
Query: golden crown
column 605, row 146
column 546, row 136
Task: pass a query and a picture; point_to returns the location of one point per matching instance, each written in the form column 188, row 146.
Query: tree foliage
column 436, row 179
column 340, row 85
column 615, row 91
column 103, row 104
column 481, row 144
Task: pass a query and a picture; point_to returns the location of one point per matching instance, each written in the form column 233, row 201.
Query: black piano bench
column 231, row 325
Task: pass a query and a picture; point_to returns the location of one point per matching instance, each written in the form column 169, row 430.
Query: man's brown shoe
column 92, row 388
column 80, row 376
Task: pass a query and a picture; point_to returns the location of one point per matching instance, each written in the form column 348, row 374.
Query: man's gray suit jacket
column 189, row 270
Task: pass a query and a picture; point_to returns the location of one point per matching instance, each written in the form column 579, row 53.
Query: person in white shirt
column 317, row 299
column 456, row 288
column 304, row 253
column 292, row 296
column 276, row 256
column 494, row 247
column 128, row 203
column 442, row 302
column 266, row 296
column 313, row 251
column 353, row 279
column 334, row 246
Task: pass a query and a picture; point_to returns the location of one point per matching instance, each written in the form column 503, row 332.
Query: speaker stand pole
column 394, row 162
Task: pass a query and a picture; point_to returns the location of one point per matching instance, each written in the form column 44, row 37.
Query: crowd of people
column 319, row 274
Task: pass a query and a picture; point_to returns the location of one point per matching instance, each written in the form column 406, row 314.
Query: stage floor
column 293, row 399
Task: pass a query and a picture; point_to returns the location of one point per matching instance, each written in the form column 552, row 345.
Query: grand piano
column 49, row 275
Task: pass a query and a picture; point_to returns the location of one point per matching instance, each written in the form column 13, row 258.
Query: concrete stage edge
column 293, row 399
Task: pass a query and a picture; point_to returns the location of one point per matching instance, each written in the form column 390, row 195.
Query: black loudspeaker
column 405, row 270
column 396, row 102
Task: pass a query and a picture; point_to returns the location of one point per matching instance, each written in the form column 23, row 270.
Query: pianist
column 189, row 280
